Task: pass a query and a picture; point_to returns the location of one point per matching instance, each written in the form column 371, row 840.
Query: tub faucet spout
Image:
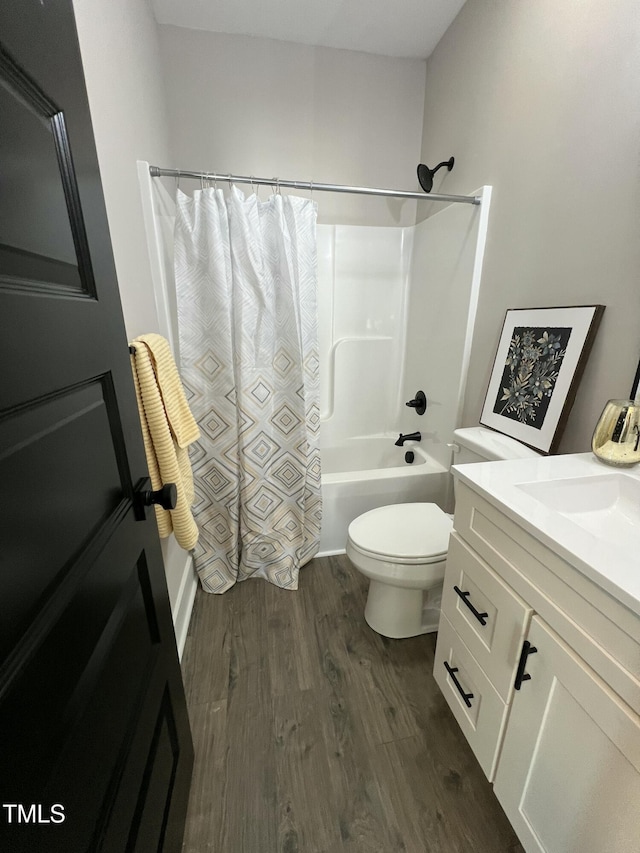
column 412, row 436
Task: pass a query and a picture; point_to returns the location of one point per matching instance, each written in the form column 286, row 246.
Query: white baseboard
column 331, row 553
column 183, row 605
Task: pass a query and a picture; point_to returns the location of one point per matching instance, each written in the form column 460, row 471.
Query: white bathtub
column 364, row 473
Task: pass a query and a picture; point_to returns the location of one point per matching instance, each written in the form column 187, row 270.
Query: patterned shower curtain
column 246, row 291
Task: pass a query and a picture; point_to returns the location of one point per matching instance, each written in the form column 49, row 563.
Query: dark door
column 95, row 748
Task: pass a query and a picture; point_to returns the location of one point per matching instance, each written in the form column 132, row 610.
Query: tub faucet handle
column 419, row 403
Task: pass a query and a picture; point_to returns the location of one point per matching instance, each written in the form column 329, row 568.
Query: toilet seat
column 405, row 534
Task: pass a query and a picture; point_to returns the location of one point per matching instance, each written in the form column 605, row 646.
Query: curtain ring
column 254, row 189
column 177, row 179
column 215, row 182
column 278, row 190
column 311, row 190
column 229, row 179
column 202, row 181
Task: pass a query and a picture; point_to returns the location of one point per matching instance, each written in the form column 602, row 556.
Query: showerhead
column 425, row 174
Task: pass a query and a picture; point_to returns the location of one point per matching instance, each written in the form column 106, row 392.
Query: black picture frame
column 540, row 359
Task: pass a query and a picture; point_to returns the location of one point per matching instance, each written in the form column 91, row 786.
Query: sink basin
column 606, row 506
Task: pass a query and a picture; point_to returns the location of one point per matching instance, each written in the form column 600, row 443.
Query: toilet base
column 398, row 613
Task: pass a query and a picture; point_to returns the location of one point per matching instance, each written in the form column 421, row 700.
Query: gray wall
column 542, row 100
column 258, row 106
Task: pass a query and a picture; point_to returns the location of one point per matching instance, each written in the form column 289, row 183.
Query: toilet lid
column 403, row 531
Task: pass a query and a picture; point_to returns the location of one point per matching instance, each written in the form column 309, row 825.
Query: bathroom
column 536, row 101
column 533, row 102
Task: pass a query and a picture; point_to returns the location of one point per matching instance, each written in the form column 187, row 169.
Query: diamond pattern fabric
column 246, row 287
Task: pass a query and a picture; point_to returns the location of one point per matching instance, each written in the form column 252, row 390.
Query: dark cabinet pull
column 521, row 675
column 466, row 696
column 481, row 617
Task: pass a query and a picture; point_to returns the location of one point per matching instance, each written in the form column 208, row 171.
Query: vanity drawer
column 489, row 617
column 475, row 704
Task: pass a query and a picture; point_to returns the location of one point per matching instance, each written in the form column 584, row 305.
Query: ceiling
column 408, row 28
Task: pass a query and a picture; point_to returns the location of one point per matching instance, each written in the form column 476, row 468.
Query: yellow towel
column 168, row 427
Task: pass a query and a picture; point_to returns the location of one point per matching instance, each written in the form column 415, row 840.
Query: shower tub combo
column 364, row 473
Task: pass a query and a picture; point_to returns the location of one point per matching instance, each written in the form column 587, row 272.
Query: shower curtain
column 246, row 296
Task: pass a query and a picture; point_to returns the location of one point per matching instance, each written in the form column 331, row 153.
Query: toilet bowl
column 402, row 548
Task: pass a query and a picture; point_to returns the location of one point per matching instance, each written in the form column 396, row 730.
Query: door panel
column 37, row 192
column 92, row 712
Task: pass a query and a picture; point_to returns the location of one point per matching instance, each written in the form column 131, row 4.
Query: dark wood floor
column 313, row 734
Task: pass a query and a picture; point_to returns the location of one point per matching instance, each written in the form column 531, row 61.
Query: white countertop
column 613, row 563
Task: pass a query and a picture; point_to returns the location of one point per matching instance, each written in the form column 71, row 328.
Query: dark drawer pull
column 521, row 675
column 481, row 617
column 466, row 696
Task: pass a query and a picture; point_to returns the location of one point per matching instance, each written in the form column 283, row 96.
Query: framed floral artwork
column 541, row 356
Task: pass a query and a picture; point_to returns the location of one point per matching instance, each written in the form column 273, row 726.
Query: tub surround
column 396, row 312
column 546, row 686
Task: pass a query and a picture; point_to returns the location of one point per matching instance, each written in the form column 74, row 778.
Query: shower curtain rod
column 157, row 172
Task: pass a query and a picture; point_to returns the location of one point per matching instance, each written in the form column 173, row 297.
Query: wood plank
column 249, row 809
column 290, row 643
column 363, row 822
column 308, row 801
column 204, row 817
column 207, row 652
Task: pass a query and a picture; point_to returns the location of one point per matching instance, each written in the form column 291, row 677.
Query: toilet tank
column 478, row 444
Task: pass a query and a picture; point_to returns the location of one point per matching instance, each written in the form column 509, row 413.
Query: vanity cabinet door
column 568, row 776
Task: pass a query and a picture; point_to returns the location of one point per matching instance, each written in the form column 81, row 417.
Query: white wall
column 542, row 100
column 256, row 106
column 120, row 54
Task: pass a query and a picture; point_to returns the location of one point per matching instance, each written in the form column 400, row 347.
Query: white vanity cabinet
column 545, row 684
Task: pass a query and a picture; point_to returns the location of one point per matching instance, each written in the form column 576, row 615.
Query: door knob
column 143, row 496
column 166, row 497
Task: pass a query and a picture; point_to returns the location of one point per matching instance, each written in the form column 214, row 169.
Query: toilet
column 402, row 548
